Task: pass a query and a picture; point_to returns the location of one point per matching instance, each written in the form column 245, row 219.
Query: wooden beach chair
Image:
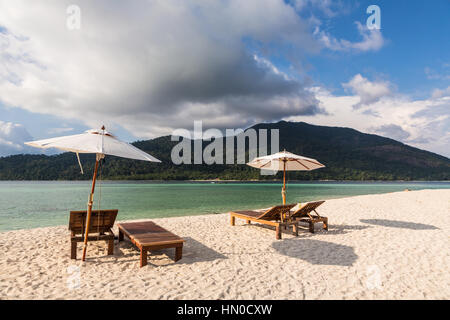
column 101, row 223
column 305, row 214
column 148, row 236
column 276, row 216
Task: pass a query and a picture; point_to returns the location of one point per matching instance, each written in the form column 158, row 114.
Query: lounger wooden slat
column 148, row 236
column 254, row 214
column 100, row 228
column 276, row 216
column 305, row 214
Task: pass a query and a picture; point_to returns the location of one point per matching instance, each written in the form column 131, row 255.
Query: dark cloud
column 157, row 65
column 392, row 131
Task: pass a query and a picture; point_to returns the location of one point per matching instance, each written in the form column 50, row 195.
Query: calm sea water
column 25, row 204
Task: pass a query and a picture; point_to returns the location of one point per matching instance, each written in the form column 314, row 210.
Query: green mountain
column 348, row 155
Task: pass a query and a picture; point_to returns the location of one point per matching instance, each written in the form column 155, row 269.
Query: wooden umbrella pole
column 89, row 211
column 283, row 192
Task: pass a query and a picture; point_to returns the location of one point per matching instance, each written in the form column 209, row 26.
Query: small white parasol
column 285, row 161
column 95, row 141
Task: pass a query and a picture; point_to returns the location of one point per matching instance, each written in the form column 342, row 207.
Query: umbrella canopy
column 94, row 141
column 100, row 142
column 285, row 161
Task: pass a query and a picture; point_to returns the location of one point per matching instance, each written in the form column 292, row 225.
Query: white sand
column 390, row 246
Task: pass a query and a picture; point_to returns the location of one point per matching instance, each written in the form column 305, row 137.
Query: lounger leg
column 143, row 258
column 178, row 253
column 110, row 247
column 120, row 235
column 248, row 221
column 73, row 250
column 295, row 229
column 232, row 220
column 278, row 232
column 325, row 224
column 311, row 226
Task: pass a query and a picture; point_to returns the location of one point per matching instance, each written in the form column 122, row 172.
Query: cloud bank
column 12, row 137
column 153, row 65
column 368, row 92
column 423, row 123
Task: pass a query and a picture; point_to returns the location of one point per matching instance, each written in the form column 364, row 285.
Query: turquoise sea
column 30, row 204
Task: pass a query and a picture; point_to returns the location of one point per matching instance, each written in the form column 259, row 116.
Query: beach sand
column 388, row 246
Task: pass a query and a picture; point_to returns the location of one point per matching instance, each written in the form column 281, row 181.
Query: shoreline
column 377, row 247
column 217, row 213
column 240, row 181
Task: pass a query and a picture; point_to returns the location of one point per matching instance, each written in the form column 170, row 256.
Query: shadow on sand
column 317, row 252
column 332, row 229
column 303, row 229
column 287, row 231
column 193, row 251
column 399, row 224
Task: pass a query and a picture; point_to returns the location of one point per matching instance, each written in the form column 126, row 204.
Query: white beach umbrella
column 285, row 161
column 95, row 141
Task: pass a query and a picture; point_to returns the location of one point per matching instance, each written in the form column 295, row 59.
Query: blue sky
column 230, row 64
column 417, row 35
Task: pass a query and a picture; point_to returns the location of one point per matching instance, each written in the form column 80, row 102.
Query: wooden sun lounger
column 101, row 223
column 275, row 216
column 148, row 236
column 304, row 214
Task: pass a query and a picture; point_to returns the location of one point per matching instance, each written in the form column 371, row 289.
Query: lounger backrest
column 306, row 208
column 274, row 213
column 101, row 220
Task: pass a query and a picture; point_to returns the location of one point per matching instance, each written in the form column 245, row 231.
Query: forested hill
column 347, row 154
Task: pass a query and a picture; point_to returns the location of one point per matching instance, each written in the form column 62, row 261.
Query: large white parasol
column 285, row 161
column 95, row 141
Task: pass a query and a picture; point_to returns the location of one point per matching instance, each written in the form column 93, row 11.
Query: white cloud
column 433, row 75
column 12, row 137
column 424, row 123
column 152, row 65
column 59, row 130
column 372, row 40
column 440, row 93
column 368, row 91
column 328, row 7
